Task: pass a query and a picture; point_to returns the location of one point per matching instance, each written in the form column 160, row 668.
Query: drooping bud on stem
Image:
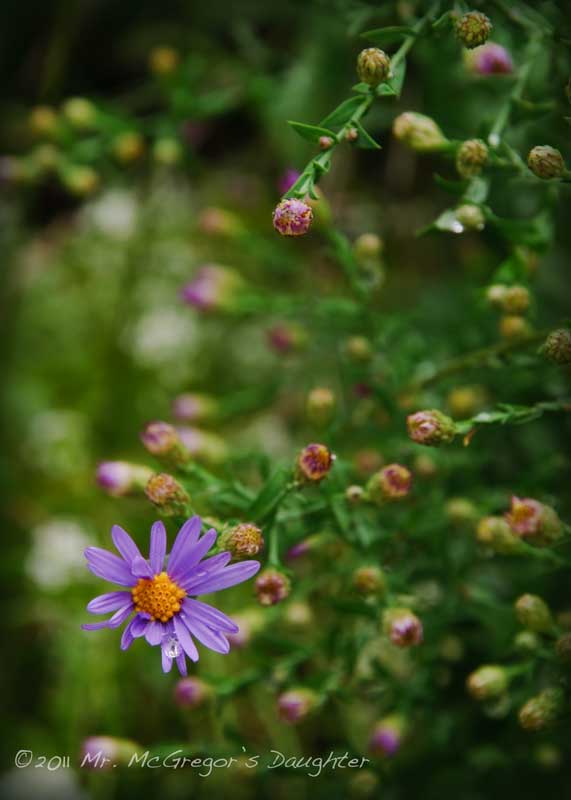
column 167, row 494
column 292, row 217
column 418, row 132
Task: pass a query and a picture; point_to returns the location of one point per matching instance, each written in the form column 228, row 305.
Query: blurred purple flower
column 287, row 180
column 164, row 612
column 491, row 59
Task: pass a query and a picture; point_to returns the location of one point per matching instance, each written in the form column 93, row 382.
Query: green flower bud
column 369, row 580
column 431, row 428
column 513, row 327
column 473, row 29
column 495, row 533
column 540, row 711
column 472, row 155
column 243, row 541
column 471, row 217
column 367, row 245
column 533, row 613
column 557, row 346
column 167, row 151
column 320, row 406
column 460, row 510
column 81, row 113
column 418, row 132
column 373, row 66
column 527, row 642
column 546, row 162
column 487, row 682
column 166, row 493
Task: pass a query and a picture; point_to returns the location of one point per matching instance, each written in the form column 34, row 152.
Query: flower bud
column 513, row 327
column 387, row 735
column 431, row 428
column 515, row 300
column 489, row 59
column 272, row 587
column 533, row 613
column 299, row 615
column 402, row 627
column 105, row 752
column 425, row 466
column 243, row 541
column 465, row 401
column 487, row 682
column 215, row 221
column 393, row 482
column 249, row 623
column 203, row 446
column 473, row 29
column 460, row 510
column 295, row 704
column 472, row 155
column 163, row 60
column 213, row 288
column 369, row 580
column 81, row 181
column 367, row 246
column 495, row 294
column 527, row 642
column 191, row 693
column 120, row 478
column 470, row 216
column 320, row 406
column 540, row 711
column 495, row 533
column 557, row 346
column 313, row 463
column 546, row 162
column 418, row 132
column 534, row 521
column 358, row 348
column 325, row 142
column 163, row 441
column 354, row 494
column 351, row 135
column 292, row 217
column 81, row 113
column 166, row 493
column 128, row 147
column 563, row 648
column 167, row 151
column 43, row 120
column 192, row 407
column 373, row 66
column 287, row 338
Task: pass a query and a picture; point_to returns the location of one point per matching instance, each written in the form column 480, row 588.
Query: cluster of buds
column 387, row 735
column 510, row 299
column 546, row 162
column 243, row 541
column 534, row 614
column 495, row 533
column 120, row 478
column 541, row 711
column 487, row 682
column 471, row 157
column 473, row 29
column 320, row 406
column 373, row 66
column 213, row 288
column 292, row 217
column 402, row 627
column 557, row 346
column 313, row 463
column 533, row 521
column 369, row 581
column 489, row 59
column 392, row 482
column 163, row 441
column 287, row 337
column 167, row 494
column 192, row 407
column 419, row 132
column 192, row 693
column 431, row 428
column 272, row 586
column 295, row 704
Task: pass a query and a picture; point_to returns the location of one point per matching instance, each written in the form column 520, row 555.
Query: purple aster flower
column 161, row 601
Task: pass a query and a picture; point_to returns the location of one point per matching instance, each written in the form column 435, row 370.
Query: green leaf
column 447, row 222
column 361, row 88
column 388, row 35
column 365, row 140
column 535, row 232
column 477, row 191
column 393, row 87
column 343, row 113
column 453, row 187
column 270, row 495
column 312, row 133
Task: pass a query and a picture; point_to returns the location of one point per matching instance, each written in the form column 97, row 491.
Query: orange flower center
column 159, row 596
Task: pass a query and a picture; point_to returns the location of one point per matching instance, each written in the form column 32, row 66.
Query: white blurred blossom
column 56, row 555
column 113, row 213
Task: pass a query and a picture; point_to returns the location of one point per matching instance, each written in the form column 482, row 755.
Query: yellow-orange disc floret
column 159, row 596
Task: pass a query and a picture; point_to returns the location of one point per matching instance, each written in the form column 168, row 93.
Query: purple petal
column 113, row 622
column 185, row 638
column 155, row 632
column 181, row 664
column 124, row 544
column 158, row 547
column 224, row 578
column 111, row 601
column 141, row 568
column 206, row 568
column 127, row 637
column 191, row 556
column 210, row 638
column 187, row 537
column 166, row 661
column 108, row 566
column 140, row 624
column 209, row 615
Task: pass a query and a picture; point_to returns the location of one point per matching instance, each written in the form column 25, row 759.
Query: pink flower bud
column 393, row 482
column 243, row 541
column 402, row 627
column 213, row 288
column 534, row 521
column 166, row 493
column 430, row 428
column 272, row 587
column 295, row 704
column 313, row 463
column 119, row 478
column 292, row 217
column 490, row 59
column 386, row 737
column 191, row 693
column 163, row 441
